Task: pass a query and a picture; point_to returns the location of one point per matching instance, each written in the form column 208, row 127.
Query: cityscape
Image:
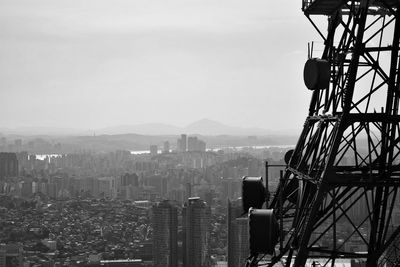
column 199, row 133
column 174, row 206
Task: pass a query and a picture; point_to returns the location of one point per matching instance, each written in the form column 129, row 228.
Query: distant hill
column 210, row 127
column 43, row 131
column 202, row 127
column 145, row 129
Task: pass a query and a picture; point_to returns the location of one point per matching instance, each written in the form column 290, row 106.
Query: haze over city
column 166, row 133
column 87, row 65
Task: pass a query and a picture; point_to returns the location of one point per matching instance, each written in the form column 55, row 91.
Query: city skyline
column 185, row 115
column 94, row 64
column 145, row 210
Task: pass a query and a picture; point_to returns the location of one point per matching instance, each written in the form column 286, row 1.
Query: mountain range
column 201, row 127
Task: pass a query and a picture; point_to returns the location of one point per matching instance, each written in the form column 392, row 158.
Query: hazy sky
column 95, row 63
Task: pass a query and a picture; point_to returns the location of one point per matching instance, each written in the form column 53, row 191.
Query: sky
column 87, row 64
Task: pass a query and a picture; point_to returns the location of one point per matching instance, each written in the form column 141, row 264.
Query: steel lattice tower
column 339, row 196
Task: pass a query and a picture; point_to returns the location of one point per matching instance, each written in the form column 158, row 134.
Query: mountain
column 46, row 131
column 201, row 127
column 145, row 129
column 211, row 127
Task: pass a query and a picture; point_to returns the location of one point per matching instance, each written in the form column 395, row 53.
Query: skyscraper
column 165, row 231
column 196, row 233
column 3, row 252
column 130, row 179
column 166, row 147
column 158, row 183
column 201, row 145
column 8, row 165
column 181, row 143
column 234, row 211
column 243, row 249
column 195, row 144
column 192, row 143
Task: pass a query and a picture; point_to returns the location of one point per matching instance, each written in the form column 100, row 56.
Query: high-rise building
column 166, row 147
column 23, row 161
column 184, row 142
column 153, row 150
column 8, row 165
column 177, row 195
column 165, row 232
column 243, row 248
column 181, row 143
column 158, row 183
column 188, row 190
column 195, row 144
column 231, row 188
column 52, row 190
column 192, row 143
column 234, row 211
column 201, row 145
column 196, row 216
column 130, row 179
column 3, row 252
column 107, row 186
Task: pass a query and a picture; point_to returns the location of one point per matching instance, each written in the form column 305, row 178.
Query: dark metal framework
column 339, row 195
